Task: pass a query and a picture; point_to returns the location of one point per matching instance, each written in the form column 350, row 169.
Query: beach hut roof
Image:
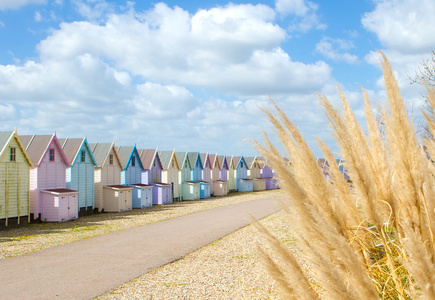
column 37, row 146
column 166, row 157
column 222, row 159
column 193, row 157
column 214, row 161
column 181, row 157
column 6, row 138
column 72, row 147
column 101, row 152
column 147, row 156
column 126, row 153
column 205, row 159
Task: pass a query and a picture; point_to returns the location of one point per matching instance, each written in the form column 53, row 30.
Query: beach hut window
column 185, row 164
column 173, row 164
column 13, row 154
column 51, row 154
column 241, row 164
column 133, row 161
column 197, row 163
column 111, row 159
column 83, row 156
column 155, row 163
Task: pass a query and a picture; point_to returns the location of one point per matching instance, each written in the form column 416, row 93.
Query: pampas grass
column 368, row 240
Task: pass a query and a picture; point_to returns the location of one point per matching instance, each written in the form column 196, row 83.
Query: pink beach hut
column 219, row 187
column 152, row 174
column 50, row 200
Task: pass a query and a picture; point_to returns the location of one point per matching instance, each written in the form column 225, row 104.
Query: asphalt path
column 91, row 267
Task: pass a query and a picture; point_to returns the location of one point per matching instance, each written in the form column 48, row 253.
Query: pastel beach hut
column 171, row 172
column 80, row 172
column 268, row 173
column 243, row 183
column 131, row 175
column 254, row 173
column 152, row 174
column 50, row 200
column 15, row 167
column 220, row 187
column 189, row 188
column 205, row 184
column 110, row 195
column 231, row 174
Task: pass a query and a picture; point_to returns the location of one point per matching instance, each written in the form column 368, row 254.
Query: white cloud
column 403, row 25
column 38, row 16
column 147, row 78
column 303, row 14
column 335, row 49
column 15, row 4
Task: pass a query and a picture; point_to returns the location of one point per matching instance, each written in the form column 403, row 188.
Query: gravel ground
column 226, row 269
column 25, row 239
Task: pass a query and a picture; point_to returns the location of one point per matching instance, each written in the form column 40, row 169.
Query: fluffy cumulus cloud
column 403, row 25
column 15, row 4
column 159, row 77
column 336, row 49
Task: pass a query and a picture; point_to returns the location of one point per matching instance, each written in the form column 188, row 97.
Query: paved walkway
column 88, row 268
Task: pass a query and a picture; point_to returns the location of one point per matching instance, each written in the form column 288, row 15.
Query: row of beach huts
column 49, row 179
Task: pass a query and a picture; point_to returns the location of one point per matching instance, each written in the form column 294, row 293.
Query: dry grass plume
column 370, row 239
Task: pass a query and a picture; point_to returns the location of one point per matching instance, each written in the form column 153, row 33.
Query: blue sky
column 191, row 75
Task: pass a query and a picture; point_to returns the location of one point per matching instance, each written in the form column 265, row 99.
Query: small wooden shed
column 107, row 171
column 117, row 198
column 171, row 172
column 15, row 167
column 220, row 187
column 231, row 174
column 189, row 188
column 80, row 173
column 254, row 173
column 49, row 171
column 59, row 205
column 268, row 173
column 142, row 195
column 152, row 174
column 243, row 183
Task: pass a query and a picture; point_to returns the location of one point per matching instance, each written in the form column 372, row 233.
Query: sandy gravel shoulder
column 28, row 238
column 229, row 268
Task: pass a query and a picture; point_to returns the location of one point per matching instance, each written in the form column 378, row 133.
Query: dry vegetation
column 372, row 239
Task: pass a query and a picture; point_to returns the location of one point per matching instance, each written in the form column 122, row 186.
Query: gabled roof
column 223, row 161
column 147, row 156
column 237, row 160
column 214, row 161
column 125, row 154
column 166, row 158
column 250, row 161
column 205, row 159
column 73, row 146
column 181, row 157
column 101, row 152
column 6, row 138
column 37, row 146
column 193, row 157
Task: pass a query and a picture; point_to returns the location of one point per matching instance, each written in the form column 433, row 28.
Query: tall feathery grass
column 370, row 239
